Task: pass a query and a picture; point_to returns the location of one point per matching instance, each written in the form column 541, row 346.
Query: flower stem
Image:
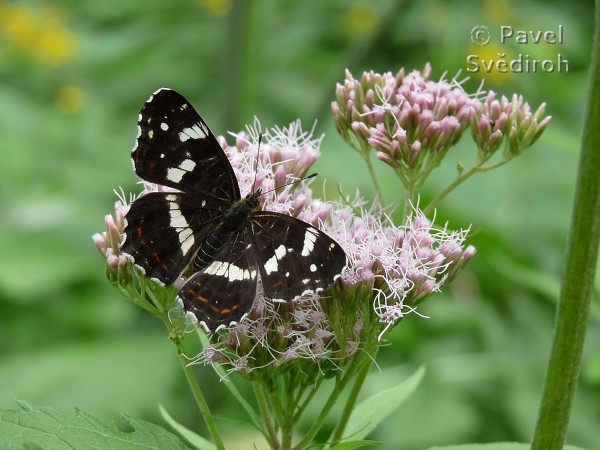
column 263, row 405
column 340, row 384
column 304, row 402
column 201, row 402
column 195, row 387
column 338, row 433
column 578, row 278
column 371, row 170
column 460, row 179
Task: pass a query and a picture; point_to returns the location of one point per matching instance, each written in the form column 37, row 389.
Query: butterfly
column 207, row 225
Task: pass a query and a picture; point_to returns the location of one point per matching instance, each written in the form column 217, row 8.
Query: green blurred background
column 73, row 78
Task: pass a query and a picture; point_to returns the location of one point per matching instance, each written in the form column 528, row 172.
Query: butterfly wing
column 294, row 257
column 223, row 292
column 164, row 231
column 176, row 148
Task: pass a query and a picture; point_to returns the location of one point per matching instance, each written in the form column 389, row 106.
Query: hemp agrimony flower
column 506, row 121
column 411, row 122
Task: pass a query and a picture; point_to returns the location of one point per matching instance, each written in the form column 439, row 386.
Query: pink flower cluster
column 109, row 241
column 411, row 121
column 500, row 118
column 407, row 119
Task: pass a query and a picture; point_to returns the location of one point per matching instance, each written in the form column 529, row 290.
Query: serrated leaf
column 351, row 445
column 43, row 427
column 370, row 412
column 193, row 438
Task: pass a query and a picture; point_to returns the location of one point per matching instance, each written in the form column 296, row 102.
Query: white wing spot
column 271, row 265
column 177, row 220
column 230, row 271
column 195, row 132
column 313, row 268
column 175, row 174
column 186, row 239
column 164, row 126
column 309, row 241
column 187, row 164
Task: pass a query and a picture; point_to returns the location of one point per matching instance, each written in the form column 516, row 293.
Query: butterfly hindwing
column 223, row 291
column 176, row 148
column 293, row 256
column 165, row 229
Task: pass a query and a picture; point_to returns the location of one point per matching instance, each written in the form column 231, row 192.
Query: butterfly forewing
column 293, row 256
column 176, row 148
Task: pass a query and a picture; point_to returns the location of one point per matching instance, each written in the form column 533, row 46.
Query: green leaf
column 351, row 445
column 370, row 412
column 195, row 439
column 43, row 427
column 496, row 446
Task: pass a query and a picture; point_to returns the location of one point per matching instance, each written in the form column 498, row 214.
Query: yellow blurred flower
column 497, row 11
column 361, row 20
column 217, row 7
column 40, row 34
column 70, row 99
column 436, row 15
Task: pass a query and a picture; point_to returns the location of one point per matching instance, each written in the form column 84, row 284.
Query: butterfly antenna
column 256, row 163
column 279, row 187
column 312, row 175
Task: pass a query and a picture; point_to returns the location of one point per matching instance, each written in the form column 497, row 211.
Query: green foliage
column 193, row 438
column 43, row 427
column 68, row 339
column 373, row 410
column 495, row 446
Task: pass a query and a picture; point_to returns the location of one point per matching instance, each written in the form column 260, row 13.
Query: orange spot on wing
column 164, row 267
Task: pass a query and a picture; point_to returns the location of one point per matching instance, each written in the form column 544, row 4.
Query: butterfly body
column 227, row 239
column 234, row 221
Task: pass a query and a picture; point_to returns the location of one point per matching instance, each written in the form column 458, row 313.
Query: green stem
column 460, row 179
column 351, row 402
column 195, row 388
column 303, row 403
column 286, row 413
column 231, row 387
column 373, row 176
column 578, row 277
column 263, row 405
column 201, row 402
column 331, row 401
